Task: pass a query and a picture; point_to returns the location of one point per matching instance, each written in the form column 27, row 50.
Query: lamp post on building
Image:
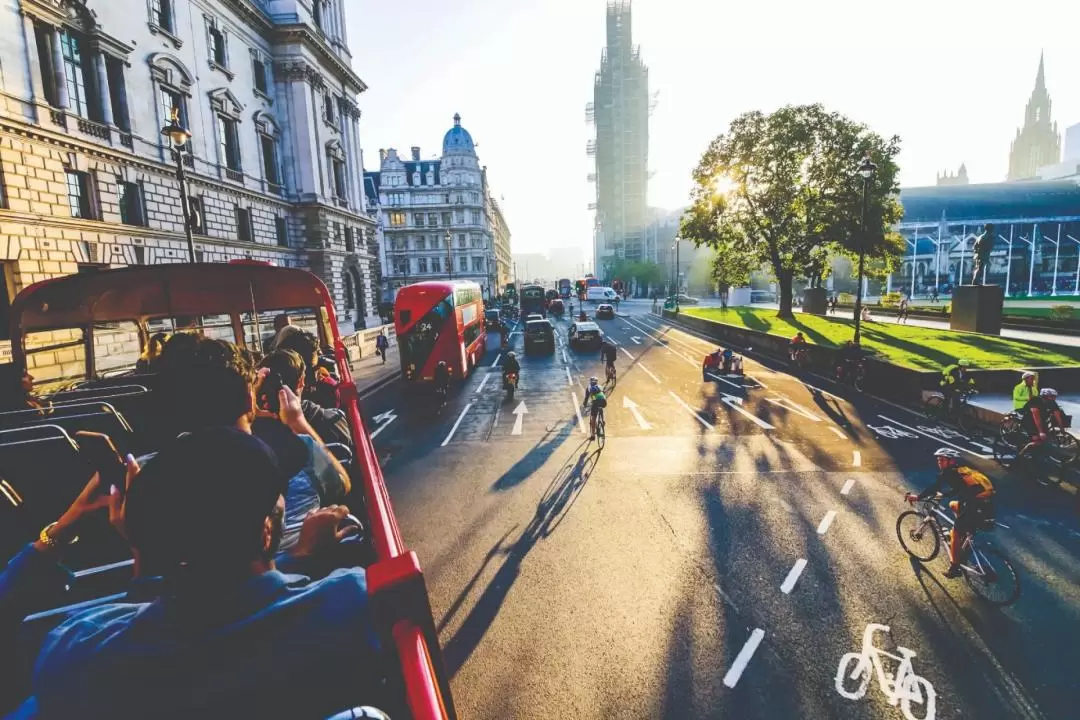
column 179, row 137
column 866, row 170
column 449, row 257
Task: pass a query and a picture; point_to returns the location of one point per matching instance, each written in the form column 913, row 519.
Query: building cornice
column 299, row 32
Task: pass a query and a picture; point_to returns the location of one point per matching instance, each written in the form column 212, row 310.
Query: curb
column 377, row 385
column 1065, row 485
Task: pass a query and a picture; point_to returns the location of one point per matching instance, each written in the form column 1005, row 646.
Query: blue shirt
column 274, row 645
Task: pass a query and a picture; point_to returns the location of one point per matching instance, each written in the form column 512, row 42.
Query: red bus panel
column 439, row 322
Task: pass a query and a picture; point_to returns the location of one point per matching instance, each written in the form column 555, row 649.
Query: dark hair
column 304, row 344
column 209, row 385
column 286, row 364
column 12, row 394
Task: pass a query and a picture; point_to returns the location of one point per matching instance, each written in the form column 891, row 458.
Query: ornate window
column 173, row 83
column 269, row 134
column 335, row 161
column 227, row 110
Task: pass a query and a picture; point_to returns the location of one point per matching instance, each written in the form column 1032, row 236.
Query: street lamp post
column 449, row 257
column 675, row 247
column 179, row 137
column 867, row 170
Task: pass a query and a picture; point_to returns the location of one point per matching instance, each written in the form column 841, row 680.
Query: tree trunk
column 783, row 281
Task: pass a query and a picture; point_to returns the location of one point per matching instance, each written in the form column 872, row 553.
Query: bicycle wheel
column 918, row 535
column 859, row 382
column 919, row 691
column 1063, row 448
column 853, row 667
column 601, row 434
column 935, row 407
column 1005, row 451
column 1009, row 425
column 998, row 583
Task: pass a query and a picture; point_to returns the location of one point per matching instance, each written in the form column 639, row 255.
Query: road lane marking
column 496, row 361
column 565, row 361
column 847, row 486
column 633, row 408
column 697, row 416
column 743, row 658
column 635, row 338
column 483, row 382
column 838, row 432
column 663, row 342
column 823, row 392
column 793, row 576
column 384, row 419
column 937, row 439
column 577, row 409
column 736, row 404
column 569, row 380
column 641, row 365
column 856, row 458
column 717, row 377
column 793, row 407
column 520, row 411
column 826, row 522
column 454, row 429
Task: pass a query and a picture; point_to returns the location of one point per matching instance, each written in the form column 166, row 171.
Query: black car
column 539, row 335
column 605, row 312
column 584, row 336
column 492, row 319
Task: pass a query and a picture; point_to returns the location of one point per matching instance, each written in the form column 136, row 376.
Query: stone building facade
column 274, row 165
column 438, row 218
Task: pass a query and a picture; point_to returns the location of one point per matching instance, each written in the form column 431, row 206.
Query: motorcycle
column 510, row 382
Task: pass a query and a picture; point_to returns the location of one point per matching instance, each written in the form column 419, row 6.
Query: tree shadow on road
column 556, row 502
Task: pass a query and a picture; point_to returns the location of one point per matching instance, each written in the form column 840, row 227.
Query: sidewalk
column 370, row 372
column 1029, row 335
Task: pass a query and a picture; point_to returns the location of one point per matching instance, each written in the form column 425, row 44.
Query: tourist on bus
column 320, row 385
column 286, row 368
column 149, row 359
column 17, row 390
column 233, row 634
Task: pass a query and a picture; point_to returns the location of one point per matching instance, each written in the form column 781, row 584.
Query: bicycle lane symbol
column 891, row 433
column 903, row 688
column 950, row 435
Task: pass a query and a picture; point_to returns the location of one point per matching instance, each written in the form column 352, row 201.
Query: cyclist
column 973, row 507
column 796, row 344
column 846, row 358
column 955, row 380
column 442, row 378
column 595, row 393
column 1026, row 391
column 608, row 354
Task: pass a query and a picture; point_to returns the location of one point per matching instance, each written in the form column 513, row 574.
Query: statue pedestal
column 815, row 300
column 977, row 308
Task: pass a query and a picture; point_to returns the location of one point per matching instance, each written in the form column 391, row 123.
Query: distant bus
column 437, row 321
column 591, row 281
column 565, row 288
column 510, row 292
column 532, row 300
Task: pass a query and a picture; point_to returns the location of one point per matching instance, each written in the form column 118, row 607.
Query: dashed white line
column 495, row 362
column 564, row 357
column 826, row 522
column 847, row 487
column 484, row 382
column 793, row 576
column 641, row 365
column 454, row 429
column 577, row 409
column 717, row 377
column 743, row 658
column 856, row 458
column 838, row 432
column 697, row 416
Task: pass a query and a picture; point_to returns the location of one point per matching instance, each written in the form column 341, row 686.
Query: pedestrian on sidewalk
column 381, row 344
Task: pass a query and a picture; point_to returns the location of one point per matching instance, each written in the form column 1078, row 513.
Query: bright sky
column 951, row 77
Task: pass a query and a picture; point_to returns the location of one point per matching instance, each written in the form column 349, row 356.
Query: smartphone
column 101, row 456
column 268, row 392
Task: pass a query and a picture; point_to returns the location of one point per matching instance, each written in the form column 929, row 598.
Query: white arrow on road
column 735, row 403
column 520, row 412
column 633, row 408
column 384, row 420
column 794, row 407
column 636, row 339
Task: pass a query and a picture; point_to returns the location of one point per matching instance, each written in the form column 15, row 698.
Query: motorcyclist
column 510, row 366
column 955, row 380
column 442, row 376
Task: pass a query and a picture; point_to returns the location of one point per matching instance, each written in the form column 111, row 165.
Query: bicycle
column 609, row 372
column 801, row 357
column 601, row 435
column 985, row 567
column 854, row 373
column 937, row 408
column 1062, row 447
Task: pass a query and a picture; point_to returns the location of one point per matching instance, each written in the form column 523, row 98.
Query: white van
column 600, row 294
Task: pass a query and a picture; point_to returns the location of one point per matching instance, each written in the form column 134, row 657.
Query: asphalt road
column 720, row 556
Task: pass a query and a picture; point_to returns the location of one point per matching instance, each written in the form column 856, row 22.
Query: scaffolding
column 620, row 111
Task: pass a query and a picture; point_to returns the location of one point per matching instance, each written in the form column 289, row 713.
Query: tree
column 781, row 190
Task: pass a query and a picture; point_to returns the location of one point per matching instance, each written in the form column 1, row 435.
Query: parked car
column 584, row 336
column 605, row 312
column 762, row 296
column 685, row 299
column 492, row 319
column 539, row 335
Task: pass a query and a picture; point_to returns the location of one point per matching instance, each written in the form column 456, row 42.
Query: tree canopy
column 781, row 189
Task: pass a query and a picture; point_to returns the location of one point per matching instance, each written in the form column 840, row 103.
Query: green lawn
column 914, row 347
column 1031, row 312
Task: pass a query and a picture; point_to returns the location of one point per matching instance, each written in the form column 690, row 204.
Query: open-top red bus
column 437, row 321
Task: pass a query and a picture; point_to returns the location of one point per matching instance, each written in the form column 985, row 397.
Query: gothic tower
column 1037, row 143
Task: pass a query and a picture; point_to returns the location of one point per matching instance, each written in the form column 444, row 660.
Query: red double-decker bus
column 437, row 321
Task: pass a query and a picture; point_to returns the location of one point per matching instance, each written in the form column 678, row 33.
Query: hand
column 118, row 499
column 92, row 498
column 290, row 411
column 321, row 530
column 911, row 497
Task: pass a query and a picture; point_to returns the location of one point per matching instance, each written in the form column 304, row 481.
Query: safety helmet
column 947, row 453
column 964, row 362
column 1048, row 393
column 442, row 363
column 1028, row 374
column 511, row 354
column 593, row 381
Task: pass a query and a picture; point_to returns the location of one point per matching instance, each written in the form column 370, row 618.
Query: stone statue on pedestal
column 983, row 245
